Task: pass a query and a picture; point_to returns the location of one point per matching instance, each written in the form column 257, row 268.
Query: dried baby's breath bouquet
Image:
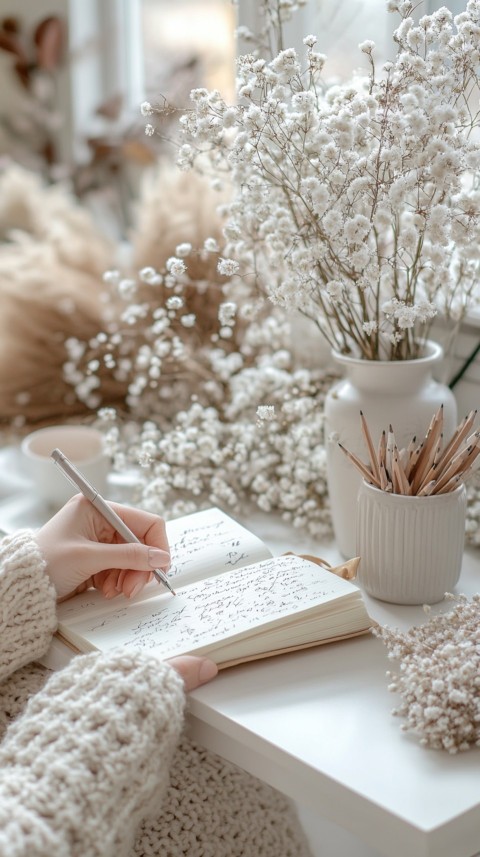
column 226, row 419
column 359, row 204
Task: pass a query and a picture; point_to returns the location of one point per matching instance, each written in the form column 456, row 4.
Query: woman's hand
column 82, row 550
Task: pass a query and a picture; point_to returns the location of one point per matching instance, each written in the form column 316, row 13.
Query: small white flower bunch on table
column 438, row 676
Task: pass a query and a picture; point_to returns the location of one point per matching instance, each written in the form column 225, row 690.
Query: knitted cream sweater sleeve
column 91, row 753
column 27, row 603
column 89, row 758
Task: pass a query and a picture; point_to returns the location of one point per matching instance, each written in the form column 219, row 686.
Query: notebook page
column 201, row 544
column 210, row 542
column 219, row 608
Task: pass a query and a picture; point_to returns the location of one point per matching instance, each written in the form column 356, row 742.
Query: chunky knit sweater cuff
column 27, row 603
column 89, row 758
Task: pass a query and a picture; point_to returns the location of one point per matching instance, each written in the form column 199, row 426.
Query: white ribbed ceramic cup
column 83, row 445
column 410, row 548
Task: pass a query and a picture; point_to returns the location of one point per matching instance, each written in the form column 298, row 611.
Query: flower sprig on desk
column 422, row 468
column 228, row 451
column 439, row 676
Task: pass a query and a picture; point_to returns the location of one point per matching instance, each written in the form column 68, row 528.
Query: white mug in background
column 83, row 445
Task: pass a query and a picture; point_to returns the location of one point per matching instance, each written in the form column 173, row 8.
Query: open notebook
column 234, row 601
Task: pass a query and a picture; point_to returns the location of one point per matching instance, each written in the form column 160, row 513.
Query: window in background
column 188, row 44
column 121, row 52
column 340, row 25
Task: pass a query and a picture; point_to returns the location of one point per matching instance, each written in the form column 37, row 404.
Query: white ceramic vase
column 403, row 393
column 410, row 548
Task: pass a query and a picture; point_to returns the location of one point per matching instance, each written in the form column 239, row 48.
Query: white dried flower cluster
column 358, row 204
column 215, row 452
column 439, row 678
column 149, row 337
column 230, row 419
column 266, row 412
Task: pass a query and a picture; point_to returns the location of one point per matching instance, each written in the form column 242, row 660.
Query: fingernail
column 119, row 583
column 208, row 670
column 157, row 557
column 136, row 589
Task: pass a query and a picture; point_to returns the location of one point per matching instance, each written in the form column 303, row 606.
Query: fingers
column 135, row 556
column 114, row 582
column 133, row 583
column 78, row 515
column 194, row 671
column 82, row 549
column 121, row 563
column 149, row 528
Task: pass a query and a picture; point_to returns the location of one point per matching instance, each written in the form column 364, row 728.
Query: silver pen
column 78, row 480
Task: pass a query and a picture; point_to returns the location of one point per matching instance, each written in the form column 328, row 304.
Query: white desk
column 317, row 725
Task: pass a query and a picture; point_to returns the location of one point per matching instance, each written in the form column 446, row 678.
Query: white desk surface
column 317, row 724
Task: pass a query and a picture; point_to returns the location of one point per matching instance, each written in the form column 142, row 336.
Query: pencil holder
column 410, row 548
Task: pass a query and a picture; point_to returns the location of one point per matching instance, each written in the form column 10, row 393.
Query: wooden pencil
column 410, row 450
column 389, row 453
column 382, row 449
column 431, row 469
column 383, row 477
column 427, row 489
column 404, row 456
column 366, row 473
column 420, row 469
column 471, row 457
column 468, row 472
column 451, row 485
column 374, row 464
column 396, row 479
column 427, row 448
column 463, row 470
column 457, row 438
column 403, row 485
column 456, row 465
column 413, row 461
column 472, row 439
